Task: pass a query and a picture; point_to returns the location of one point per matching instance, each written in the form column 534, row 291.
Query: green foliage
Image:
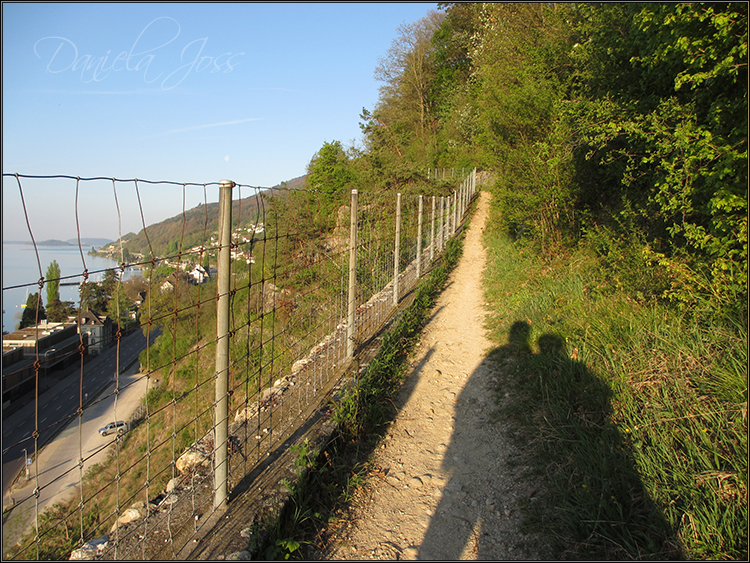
column 329, row 172
column 635, row 413
column 60, row 531
column 33, row 312
column 669, row 148
column 93, row 296
column 57, row 311
column 52, row 281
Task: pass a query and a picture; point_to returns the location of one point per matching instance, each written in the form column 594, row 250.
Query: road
column 55, row 470
column 58, row 406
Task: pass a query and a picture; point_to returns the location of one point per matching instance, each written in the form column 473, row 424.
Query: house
column 173, row 279
column 198, row 274
column 100, row 330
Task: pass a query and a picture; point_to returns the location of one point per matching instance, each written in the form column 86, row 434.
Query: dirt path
column 444, row 487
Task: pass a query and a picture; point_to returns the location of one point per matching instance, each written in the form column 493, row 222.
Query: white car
column 120, row 427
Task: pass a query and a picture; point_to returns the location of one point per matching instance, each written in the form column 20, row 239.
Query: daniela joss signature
column 64, row 56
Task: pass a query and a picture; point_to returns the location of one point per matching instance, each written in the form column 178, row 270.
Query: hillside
column 201, row 222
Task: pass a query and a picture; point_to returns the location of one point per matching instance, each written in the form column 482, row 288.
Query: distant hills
column 85, row 242
column 202, row 221
column 197, row 220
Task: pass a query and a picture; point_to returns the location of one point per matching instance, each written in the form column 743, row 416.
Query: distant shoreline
column 85, row 242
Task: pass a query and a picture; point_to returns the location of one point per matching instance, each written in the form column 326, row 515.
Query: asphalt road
column 58, row 406
column 56, row 473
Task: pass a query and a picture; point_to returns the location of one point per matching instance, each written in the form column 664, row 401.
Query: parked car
column 120, row 427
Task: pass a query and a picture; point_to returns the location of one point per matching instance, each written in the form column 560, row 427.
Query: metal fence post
column 221, row 417
column 350, row 332
column 419, row 238
column 446, row 207
column 455, row 211
column 432, row 232
column 397, row 250
column 441, row 221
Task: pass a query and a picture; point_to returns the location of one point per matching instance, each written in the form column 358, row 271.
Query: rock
column 170, row 499
column 239, row 556
column 299, row 365
column 194, row 460
column 415, row 482
column 248, row 412
column 411, row 553
column 172, row 485
column 140, row 506
column 90, row 550
column 130, row 515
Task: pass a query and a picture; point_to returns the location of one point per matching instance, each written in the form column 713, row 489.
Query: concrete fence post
column 221, row 407
column 455, row 212
column 441, row 225
column 419, row 238
column 352, row 300
column 446, row 207
column 432, row 232
column 397, row 250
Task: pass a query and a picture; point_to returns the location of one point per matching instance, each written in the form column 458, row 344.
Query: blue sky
column 177, row 91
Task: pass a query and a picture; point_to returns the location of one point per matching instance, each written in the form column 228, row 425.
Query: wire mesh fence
column 215, row 362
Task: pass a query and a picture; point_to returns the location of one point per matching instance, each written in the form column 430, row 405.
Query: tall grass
column 636, row 411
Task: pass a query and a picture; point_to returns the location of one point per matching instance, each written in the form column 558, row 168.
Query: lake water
column 20, row 267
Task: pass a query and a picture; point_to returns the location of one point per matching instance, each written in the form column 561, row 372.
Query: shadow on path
column 560, row 466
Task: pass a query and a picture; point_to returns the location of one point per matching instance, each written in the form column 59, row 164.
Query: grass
column 635, row 411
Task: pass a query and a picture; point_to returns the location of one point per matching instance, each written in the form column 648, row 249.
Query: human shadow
column 549, row 459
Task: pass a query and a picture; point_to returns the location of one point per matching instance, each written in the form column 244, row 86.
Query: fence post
column 350, row 332
column 221, row 417
column 432, row 232
column 419, row 238
column 465, row 198
column 455, row 211
column 397, row 250
column 442, row 222
column 461, row 192
column 446, row 205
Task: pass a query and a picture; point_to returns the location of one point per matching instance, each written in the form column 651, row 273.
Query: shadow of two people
column 582, row 445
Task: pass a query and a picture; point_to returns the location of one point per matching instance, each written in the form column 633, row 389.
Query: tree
column 52, row 280
column 57, row 311
column 93, row 297
column 110, row 283
column 33, row 312
column 119, row 307
column 329, row 172
column 664, row 131
column 399, row 131
column 406, row 70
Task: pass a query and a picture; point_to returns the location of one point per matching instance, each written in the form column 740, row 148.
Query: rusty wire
column 288, row 353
